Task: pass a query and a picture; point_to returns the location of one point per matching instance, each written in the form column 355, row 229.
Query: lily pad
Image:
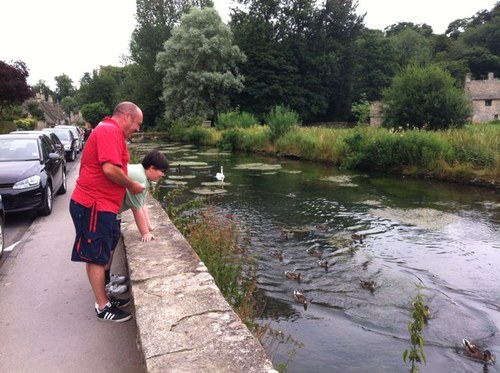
column 215, row 183
column 174, row 182
column 181, row 177
column 258, row 166
column 420, row 217
column 208, row 191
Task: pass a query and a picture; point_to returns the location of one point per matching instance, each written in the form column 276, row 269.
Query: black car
column 2, row 221
column 30, row 172
column 58, row 146
column 69, row 141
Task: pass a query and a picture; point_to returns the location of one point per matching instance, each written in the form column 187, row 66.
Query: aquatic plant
column 416, row 353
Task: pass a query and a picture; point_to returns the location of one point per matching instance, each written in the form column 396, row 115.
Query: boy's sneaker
column 117, row 279
column 114, row 289
column 119, row 302
column 112, row 313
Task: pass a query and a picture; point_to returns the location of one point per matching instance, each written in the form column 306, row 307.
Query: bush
column 25, row 124
column 234, row 119
column 425, row 98
column 280, row 120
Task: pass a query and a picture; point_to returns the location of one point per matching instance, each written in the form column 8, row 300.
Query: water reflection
column 444, row 236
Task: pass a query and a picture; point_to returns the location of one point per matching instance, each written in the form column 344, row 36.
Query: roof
column 53, row 114
column 484, row 89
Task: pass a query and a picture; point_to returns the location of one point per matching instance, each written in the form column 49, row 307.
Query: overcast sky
column 55, row 37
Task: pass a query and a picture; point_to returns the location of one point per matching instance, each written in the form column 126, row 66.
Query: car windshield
column 63, row 135
column 18, row 150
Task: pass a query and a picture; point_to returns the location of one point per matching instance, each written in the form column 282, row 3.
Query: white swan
column 220, row 175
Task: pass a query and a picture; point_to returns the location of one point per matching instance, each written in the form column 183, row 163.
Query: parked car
column 2, row 222
column 30, row 172
column 76, row 133
column 58, row 146
column 68, row 139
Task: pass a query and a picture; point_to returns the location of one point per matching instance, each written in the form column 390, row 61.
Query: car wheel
column 47, row 207
column 73, row 155
column 1, row 237
column 64, row 185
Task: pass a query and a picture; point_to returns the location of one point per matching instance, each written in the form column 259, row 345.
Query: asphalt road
column 47, row 317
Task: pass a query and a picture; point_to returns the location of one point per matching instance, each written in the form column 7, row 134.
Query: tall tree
column 155, row 20
column 375, row 64
column 103, row 86
column 14, row 88
column 199, row 66
column 298, row 54
column 64, row 87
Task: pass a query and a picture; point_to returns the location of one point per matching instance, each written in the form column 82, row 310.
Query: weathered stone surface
column 184, row 323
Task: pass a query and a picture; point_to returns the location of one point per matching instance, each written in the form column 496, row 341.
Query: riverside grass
column 468, row 155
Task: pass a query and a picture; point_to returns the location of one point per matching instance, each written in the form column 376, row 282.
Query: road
column 47, row 319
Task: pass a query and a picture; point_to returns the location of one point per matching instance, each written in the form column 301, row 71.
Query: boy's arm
column 142, row 222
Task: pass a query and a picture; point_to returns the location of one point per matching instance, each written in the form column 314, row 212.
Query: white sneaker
column 117, row 279
column 115, row 289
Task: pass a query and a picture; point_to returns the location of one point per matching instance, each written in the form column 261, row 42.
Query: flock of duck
column 323, row 263
column 471, row 350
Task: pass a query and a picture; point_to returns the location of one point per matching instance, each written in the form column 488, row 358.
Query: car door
column 53, row 163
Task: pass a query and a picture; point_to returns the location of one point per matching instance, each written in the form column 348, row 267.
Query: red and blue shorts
column 97, row 234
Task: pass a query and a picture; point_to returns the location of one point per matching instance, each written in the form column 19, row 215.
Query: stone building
column 483, row 94
column 52, row 112
column 485, row 97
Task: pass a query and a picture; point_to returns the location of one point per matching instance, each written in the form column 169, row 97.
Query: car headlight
column 67, row 147
column 30, row 182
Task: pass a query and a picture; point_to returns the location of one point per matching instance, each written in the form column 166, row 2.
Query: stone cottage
column 485, row 97
column 52, row 112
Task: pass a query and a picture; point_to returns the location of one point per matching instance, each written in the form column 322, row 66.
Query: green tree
column 69, row 105
column 142, row 83
column 14, row 88
column 375, row 65
column 299, row 52
column 34, row 109
column 411, row 47
column 199, row 66
column 64, row 87
column 103, row 86
column 95, row 112
column 44, row 90
column 425, row 97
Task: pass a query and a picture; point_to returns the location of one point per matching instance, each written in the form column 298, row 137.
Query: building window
column 487, row 102
column 496, row 116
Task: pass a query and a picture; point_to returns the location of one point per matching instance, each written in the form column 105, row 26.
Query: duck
column 323, row 263
column 473, row 351
column 370, row 285
column 299, row 297
column 314, row 252
column 427, row 311
column 220, row 175
column 178, row 169
column 358, row 237
column 277, row 255
column 293, row 275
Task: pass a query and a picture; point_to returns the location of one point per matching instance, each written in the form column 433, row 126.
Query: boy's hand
column 147, row 237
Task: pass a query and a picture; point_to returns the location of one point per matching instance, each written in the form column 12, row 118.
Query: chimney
column 491, row 76
column 468, row 77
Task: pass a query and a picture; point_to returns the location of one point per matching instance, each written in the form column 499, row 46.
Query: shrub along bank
column 467, row 155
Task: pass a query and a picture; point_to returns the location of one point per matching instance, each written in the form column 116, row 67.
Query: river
column 445, row 237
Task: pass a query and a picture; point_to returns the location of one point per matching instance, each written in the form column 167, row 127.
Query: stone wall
column 184, row 323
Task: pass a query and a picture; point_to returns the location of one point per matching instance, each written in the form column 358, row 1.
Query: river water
column 445, row 237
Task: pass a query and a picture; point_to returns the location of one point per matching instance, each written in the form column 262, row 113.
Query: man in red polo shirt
column 97, row 198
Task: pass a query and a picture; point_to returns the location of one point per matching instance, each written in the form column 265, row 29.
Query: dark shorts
column 97, row 234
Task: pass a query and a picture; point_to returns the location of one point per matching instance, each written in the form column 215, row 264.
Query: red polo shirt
column 106, row 144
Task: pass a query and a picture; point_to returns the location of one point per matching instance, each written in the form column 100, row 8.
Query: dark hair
column 155, row 158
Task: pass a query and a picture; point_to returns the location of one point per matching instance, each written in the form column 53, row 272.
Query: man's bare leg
column 95, row 273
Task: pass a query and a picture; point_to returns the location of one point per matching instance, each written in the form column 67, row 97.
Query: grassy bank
column 468, row 155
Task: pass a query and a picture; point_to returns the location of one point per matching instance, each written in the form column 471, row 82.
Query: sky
column 72, row 37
